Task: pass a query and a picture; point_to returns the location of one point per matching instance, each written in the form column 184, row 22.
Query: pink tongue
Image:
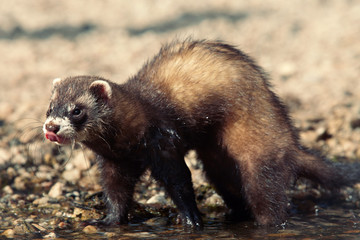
column 51, row 136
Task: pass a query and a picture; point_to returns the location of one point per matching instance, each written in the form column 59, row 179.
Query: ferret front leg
column 170, row 169
column 118, row 183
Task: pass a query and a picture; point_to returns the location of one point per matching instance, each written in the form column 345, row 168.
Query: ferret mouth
column 56, row 138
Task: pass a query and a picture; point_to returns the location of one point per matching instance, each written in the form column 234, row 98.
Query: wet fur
column 201, row 95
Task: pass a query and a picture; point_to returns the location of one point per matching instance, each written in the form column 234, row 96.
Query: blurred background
column 310, row 48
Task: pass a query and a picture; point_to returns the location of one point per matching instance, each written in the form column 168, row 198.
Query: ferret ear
column 56, row 81
column 101, row 89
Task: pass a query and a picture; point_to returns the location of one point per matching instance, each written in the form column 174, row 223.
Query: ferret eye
column 76, row 112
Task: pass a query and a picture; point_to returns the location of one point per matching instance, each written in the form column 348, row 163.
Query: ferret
column 205, row 96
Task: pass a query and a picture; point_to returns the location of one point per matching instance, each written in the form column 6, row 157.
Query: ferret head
column 76, row 110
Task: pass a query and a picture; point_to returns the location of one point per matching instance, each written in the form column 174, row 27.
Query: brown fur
column 200, row 95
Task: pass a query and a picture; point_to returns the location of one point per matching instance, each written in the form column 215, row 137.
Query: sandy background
column 311, row 49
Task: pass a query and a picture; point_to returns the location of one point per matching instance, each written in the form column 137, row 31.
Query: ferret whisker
column 67, row 157
column 88, row 165
column 33, row 120
column 104, row 140
column 35, row 153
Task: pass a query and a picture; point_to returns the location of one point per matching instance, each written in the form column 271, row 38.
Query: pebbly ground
column 309, row 48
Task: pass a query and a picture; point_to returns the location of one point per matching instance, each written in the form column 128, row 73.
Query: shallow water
column 332, row 223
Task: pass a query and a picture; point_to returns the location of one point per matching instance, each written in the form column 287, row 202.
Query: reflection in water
column 329, row 224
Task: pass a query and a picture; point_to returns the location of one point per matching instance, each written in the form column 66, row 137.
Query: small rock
column 17, row 197
column 9, row 233
column 38, row 227
column 214, row 200
column 56, row 190
column 287, row 69
column 19, row 159
column 357, row 186
column 90, row 229
column 157, row 221
column 23, row 228
column 50, row 235
column 159, row 198
column 31, row 197
column 29, row 220
column 72, row 175
column 49, row 159
column 19, row 183
column 85, row 214
column 322, row 134
column 141, row 235
column 5, row 110
column 24, row 173
column 41, row 201
column 4, row 156
column 69, row 166
column 11, row 172
column 21, row 203
column 62, row 225
column 355, row 123
column 8, row 190
column 80, row 162
column 46, row 185
column 109, row 234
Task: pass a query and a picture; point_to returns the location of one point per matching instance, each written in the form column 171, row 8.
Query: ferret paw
column 193, row 222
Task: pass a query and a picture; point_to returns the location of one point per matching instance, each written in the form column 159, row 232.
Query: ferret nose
column 51, row 127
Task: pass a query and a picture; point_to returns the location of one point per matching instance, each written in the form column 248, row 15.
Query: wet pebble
column 110, row 234
column 50, row 235
column 157, row 221
column 85, row 214
column 90, row 229
column 62, row 225
column 214, row 200
column 38, row 227
column 141, row 235
column 158, row 198
column 9, row 233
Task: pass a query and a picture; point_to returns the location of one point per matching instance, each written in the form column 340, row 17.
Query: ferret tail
column 322, row 171
column 350, row 172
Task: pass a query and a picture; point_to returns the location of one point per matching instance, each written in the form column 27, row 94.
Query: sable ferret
column 201, row 95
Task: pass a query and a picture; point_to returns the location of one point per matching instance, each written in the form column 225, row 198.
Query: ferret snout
column 51, row 127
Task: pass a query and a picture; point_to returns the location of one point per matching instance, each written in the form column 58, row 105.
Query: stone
column 90, row 229
column 72, row 175
column 56, row 190
column 158, row 198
